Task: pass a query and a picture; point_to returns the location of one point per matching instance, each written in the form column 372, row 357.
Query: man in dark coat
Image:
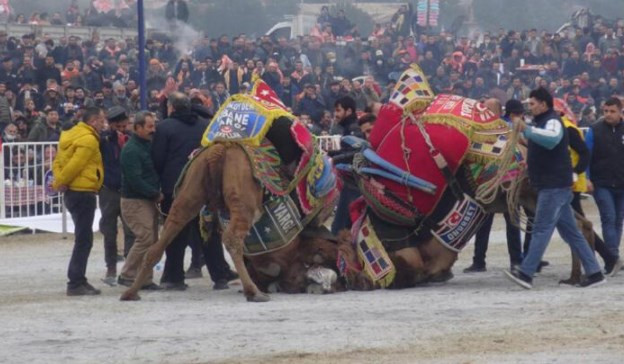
column 175, row 139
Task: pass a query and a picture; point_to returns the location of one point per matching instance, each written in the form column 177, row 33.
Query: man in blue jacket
column 550, row 173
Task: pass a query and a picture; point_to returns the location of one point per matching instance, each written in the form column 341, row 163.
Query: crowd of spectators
column 45, row 83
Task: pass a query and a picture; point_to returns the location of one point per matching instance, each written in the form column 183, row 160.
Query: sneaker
column 193, row 272
column 220, row 284
column 125, row 281
column 474, row 268
column 171, row 286
column 519, row 278
column 594, row 280
column 84, row 289
column 613, row 268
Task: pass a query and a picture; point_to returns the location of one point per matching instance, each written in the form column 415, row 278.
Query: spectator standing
column 78, row 172
column 605, row 140
column 140, row 192
column 46, row 130
column 311, row 103
column 347, row 124
column 175, row 138
column 550, row 173
column 112, row 142
column 513, row 109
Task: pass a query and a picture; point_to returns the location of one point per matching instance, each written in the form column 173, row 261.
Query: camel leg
column 586, row 228
column 410, row 268
column 438, row 260
column 186, row 206
column 243, row 198
column 233, row 238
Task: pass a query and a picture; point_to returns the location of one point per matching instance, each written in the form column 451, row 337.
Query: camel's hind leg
column 243, row 199
column 587, row 229
column 192, row 195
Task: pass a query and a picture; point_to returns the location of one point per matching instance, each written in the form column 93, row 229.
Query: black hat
column 513, row 106
column 116, row 114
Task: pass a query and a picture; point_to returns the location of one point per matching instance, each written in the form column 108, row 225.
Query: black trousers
column 174, row 264
column 600, row 245
column 482, row 240
column 81, row 206
column 111, row 211
column 214, row 257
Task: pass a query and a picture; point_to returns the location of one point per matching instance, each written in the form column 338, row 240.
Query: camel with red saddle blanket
column 435, row 167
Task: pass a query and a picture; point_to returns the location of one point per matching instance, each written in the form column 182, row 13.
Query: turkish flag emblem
column 263, row 92
column 454, row 219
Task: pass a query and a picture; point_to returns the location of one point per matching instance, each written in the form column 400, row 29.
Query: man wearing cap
column 513, row 109
column 112, row 142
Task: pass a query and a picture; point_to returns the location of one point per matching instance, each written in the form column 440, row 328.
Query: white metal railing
column 329, row 142
column 26, row 175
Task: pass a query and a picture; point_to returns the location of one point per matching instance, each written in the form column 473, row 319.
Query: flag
column 265, row 94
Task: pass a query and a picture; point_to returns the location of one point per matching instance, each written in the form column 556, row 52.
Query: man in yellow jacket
column 79, row 173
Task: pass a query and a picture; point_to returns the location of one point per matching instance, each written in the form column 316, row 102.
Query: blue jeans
column 554, row 210
column 610, row 203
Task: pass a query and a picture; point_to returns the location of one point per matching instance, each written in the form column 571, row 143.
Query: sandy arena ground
column 477, row 318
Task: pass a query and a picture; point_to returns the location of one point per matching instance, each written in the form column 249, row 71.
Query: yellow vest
column 580, row 185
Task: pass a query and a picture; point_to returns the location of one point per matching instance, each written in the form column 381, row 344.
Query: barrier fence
column 25, row 174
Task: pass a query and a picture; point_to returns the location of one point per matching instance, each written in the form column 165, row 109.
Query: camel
column 431, row 262
column 221, row 177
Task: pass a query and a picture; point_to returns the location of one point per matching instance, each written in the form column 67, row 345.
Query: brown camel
column 430, row 261
column 221, row 177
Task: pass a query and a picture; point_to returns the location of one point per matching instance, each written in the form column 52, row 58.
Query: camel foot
column 441, row 277
column 570, row 281
column 259, row 297
column 129, row 296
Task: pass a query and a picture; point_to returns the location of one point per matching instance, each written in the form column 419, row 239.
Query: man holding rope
column 550, row 173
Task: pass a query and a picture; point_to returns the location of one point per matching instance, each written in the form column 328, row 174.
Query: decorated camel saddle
column 430, row 161
column 298, row 178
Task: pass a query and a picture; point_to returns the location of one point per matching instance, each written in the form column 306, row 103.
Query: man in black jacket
column 175, row 139
column 605, row 140
column 347, row 124
column 111, row 143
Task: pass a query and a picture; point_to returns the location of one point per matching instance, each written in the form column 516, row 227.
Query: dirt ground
column 474, row 318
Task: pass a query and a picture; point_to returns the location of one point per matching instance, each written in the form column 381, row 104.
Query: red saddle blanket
column 405, row 137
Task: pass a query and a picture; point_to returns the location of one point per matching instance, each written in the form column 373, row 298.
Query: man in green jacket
column 140, row 191
column 47, row 130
